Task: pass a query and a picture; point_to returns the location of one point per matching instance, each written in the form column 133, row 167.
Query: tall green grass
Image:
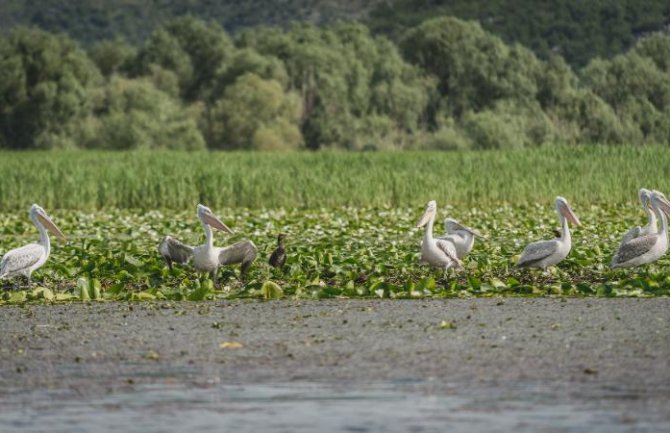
column 87, row 179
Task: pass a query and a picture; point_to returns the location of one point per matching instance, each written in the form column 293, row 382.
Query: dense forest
column 577, row 30
column 440, row 83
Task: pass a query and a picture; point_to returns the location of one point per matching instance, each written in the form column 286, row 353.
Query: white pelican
column 436, row 252
column 651, row 227
column 650, row 247
column 207, row 257
column 460, row 236
column 542, row 254
column 24, row 260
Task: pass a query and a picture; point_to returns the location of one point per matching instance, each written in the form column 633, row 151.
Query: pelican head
column 645, row 197
column 207, row 217
column 431, row 209
column 563, row 208
column 39, row 216
column 661, row 201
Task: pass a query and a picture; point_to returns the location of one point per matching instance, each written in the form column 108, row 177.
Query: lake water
column 308, row 407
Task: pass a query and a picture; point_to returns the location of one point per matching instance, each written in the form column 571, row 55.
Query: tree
column 133, row 114
column 656, row 48
column 255, row 113
column 112, row 56
column 348, row 81
column 248, row 60
column 194, row 50
column 474, row 69
column 637, row 89
column 44, row 80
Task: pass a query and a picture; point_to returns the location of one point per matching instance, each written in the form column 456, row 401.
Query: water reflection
column 306, row 407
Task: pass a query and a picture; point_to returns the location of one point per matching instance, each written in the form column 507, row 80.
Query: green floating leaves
column 331, row 253
column 271, row 290
column 82, row 289
column 42, row 293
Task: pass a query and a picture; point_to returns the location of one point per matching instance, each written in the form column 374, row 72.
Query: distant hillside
column 578, row 30
column 92, row 20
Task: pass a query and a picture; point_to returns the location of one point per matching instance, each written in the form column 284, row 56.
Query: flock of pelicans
column 640, row 245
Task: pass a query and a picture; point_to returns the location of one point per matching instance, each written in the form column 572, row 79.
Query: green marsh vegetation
column 340, row 252
column 349, row 217
column 179, row 180
column 552, row 117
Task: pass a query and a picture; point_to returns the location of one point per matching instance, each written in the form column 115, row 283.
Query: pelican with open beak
column 438, row 253
column 542, row 254
column 647, row 248
column 460, row 236
column 24, row 260
column 207, row 257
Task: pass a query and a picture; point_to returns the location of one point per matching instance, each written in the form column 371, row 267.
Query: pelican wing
column 454, row 226
column 240, row 252
column 635, row 248
column 537, row 251
column 21, row 259
column 631, row 234
column 451, row 238
column 449, row 249
column 174, row 250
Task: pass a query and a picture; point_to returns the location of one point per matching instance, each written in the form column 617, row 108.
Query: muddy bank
column 609, row 352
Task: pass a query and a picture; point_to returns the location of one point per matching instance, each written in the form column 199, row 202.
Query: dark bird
column 278, row 257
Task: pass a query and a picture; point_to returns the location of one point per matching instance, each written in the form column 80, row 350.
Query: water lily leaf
column 82, row 289
column 271, row 290
column 18, row 297
column 43, row 293
column 95, row 288
column 142, row 296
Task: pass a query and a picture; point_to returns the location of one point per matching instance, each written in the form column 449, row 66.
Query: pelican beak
column 426, row 217
column 664, row 205
column 570, row 215
column 53, row 228
column 215, row 222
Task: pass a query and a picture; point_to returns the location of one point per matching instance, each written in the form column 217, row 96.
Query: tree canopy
column 445, row 84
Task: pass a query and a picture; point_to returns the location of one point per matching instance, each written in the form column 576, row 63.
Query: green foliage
column 247, row 60
column 657, row 48
column 346, row 252
column 189, row 85
column 256, row 114
column 44, row 80
column 445, row 138
column 508, row 126
column 344, row 76
column 112, row 56
column 474, row 68
column 577, row 30
column 135, row 115
column 179, row 180
column 89, row 21
column 194, row 50
column 637, row 86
